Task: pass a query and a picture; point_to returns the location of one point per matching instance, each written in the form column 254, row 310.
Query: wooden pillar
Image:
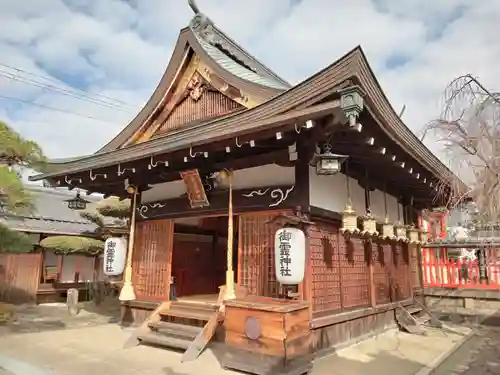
column 230, row 288
column 302, row 187
column 127, row 292
column 60, row 260
column 78, row 266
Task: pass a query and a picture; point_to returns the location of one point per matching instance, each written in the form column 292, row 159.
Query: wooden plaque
column 195, row 189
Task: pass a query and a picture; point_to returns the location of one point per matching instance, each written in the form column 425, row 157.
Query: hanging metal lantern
column 349, row 220
column 387, row 230
column 413, row 235
column 349, row 217
column 351, row 103
column 328, row 163
column 77, row 203
column 369, row 225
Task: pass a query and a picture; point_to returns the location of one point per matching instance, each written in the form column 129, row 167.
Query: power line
column 53, row 108
column 54, row 81
column 62, row 91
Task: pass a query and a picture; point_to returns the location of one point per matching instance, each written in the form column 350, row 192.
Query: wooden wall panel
column 211, row 104
column 402, row 272
column 325, row 267
column 152, row 259
column 339, row 267
column 354, row 273
column 382, row 268
column 256, row 254
column 19, row 276
column 341, row 274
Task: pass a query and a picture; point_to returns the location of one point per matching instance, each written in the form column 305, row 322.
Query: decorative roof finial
column 201, row 24
column 194, row 7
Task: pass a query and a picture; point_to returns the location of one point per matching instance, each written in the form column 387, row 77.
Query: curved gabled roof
column 352, row 66
column 223, row 55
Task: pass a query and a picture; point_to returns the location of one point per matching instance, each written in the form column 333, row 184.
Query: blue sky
column 116, row 51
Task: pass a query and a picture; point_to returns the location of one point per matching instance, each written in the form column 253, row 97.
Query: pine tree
column 16, row 154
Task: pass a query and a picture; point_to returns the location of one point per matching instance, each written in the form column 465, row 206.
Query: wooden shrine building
column 217, row 109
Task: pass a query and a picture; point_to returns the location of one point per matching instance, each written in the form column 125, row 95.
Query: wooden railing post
column 409, row 269
column 371, row 278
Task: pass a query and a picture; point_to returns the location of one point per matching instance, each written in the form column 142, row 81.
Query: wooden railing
column 439, row 270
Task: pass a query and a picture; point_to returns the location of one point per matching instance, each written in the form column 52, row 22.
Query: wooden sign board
column 195, row 189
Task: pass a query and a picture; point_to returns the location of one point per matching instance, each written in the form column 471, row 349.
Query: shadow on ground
column 389, row 362
column 29, row 318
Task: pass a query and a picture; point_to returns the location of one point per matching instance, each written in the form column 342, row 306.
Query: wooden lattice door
column 256, row 254
column 152, row 259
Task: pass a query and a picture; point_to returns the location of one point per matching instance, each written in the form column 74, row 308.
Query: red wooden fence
column 440, row 271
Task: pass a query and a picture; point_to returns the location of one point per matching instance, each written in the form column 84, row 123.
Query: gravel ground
column 480, row 355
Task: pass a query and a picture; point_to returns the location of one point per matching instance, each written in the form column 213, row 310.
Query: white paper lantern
column 290, row 255
column 115, row 254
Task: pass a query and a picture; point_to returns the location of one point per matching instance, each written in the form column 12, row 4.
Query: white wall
column 50, row 259
column 263, row 176
column 330, row 193
column 85, row 265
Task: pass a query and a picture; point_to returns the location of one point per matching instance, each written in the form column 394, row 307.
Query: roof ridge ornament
column 201, row 24
column 194, row 7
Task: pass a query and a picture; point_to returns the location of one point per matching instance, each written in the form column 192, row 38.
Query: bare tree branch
column 468, row 132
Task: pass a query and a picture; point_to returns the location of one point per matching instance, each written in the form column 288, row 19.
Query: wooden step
column 153, row 338
column 188, row 314
column 176, row 330
column 408, row 321
column 195, row 306
column 186, row 311
column 422, row 320
column 202, row 339
column 413, row 309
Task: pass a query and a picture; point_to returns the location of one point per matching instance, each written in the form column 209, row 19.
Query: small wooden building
column 218, row 108
column 44, row 275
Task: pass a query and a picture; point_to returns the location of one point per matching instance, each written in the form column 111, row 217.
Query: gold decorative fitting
column 369, row 225
column 413, row 235
column 401, row 234
column 196, row 87
column 349, row 220
column 387, row 230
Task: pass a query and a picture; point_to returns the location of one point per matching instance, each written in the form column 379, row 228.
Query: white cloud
column 119, row 49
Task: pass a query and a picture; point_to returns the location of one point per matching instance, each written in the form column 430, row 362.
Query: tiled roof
column 227, row 63
column 230, row 56
column 51, row 214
